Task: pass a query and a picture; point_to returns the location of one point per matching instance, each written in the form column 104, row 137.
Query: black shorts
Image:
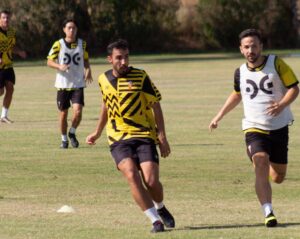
column 275, row 144
column 7, row 75
column 139, row 149
column 64, row 97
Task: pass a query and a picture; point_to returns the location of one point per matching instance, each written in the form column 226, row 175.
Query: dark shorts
column 64, row 97
column 7, row 75
column 140, row 150
column 275, row 144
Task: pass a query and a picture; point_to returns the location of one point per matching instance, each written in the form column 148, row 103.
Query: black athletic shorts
column 139, row 149
column 7, row 75
column 275, row 144
column 64, row 97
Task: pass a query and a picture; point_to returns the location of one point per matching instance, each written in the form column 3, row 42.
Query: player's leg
column 1, row 91
column 77, row 115
column 279, row 154
column 139, row 193
column 2, row 82
column 63, row 125
column 77, row 105
column 149, row 164
column 9, row 76
column 278, row 172
column 150, row 174
column 141, row 196
column 123, row 154
column 258, row 149
column 262, row 185
column 9, row 89
column 63, row 104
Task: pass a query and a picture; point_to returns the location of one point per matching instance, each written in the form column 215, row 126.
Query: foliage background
column 153, row 26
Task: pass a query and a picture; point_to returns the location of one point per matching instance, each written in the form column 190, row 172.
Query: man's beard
column 253, row 58
column 123, row 70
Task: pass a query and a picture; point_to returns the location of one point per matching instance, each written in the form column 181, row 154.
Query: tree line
column 154, row 25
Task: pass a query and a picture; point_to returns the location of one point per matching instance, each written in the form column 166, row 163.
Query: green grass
column 208, row 179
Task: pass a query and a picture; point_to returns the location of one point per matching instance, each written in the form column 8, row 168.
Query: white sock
column 267, row 208
column 72, row 130
column 152, row 214
column 64, row 137
column 158, row 205
column 4, row 112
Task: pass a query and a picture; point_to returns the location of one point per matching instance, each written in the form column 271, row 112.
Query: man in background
column 70, row 58
column 7, row 75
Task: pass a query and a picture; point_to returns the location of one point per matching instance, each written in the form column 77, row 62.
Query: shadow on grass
column 188, row 145
column 215, row 227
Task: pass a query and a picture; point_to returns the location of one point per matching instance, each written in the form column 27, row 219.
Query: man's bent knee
column 129, row 170
column 277, row 177
column 151, row 182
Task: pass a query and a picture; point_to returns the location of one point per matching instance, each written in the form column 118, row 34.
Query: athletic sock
column 64, row 137
column 72, row 130
column 152, row 214
column 158, row 205
column 4, row 112
column 267, row 208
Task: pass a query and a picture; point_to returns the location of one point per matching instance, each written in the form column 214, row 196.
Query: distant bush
column 153, row 25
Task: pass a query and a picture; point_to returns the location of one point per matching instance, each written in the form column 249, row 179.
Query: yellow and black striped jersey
column 128, row 100
column 54, row 52
column 7, row 43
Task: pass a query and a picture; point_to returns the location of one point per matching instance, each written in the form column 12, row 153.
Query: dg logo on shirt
column 68, row 58
column 265, row 86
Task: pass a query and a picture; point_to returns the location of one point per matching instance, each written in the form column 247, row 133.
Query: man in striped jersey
column 70, row 58
column 7, row 75
column 267, row 86
column 135, row 124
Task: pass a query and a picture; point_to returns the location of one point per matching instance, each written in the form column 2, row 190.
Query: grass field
column 208, row 179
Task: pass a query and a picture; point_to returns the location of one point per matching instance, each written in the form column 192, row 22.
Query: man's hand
column 63, row 67
column 91, row 139
column 274, row 109
column 164, row 146
column 213, row 124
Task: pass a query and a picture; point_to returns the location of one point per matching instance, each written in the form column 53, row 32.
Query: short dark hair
column 66, row 21
column 118, row 44
column 250, row 32
column 5, row 11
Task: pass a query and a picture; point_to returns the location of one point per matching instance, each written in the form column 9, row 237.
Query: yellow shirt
column 7, row 43
column 128, row 100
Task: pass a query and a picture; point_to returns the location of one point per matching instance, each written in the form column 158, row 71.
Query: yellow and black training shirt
column 7, row 43
column 128, row 100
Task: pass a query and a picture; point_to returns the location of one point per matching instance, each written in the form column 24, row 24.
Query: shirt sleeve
column 286, row 74
column 85, row 51
column 53, row 53
column 236, row 85
column 151, row 93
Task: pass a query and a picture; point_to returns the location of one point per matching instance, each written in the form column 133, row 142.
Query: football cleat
column 270, row 220
column 64, row 144
column 73, row 140
column 158, row 226
column 6, row 120
column 166, row 217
